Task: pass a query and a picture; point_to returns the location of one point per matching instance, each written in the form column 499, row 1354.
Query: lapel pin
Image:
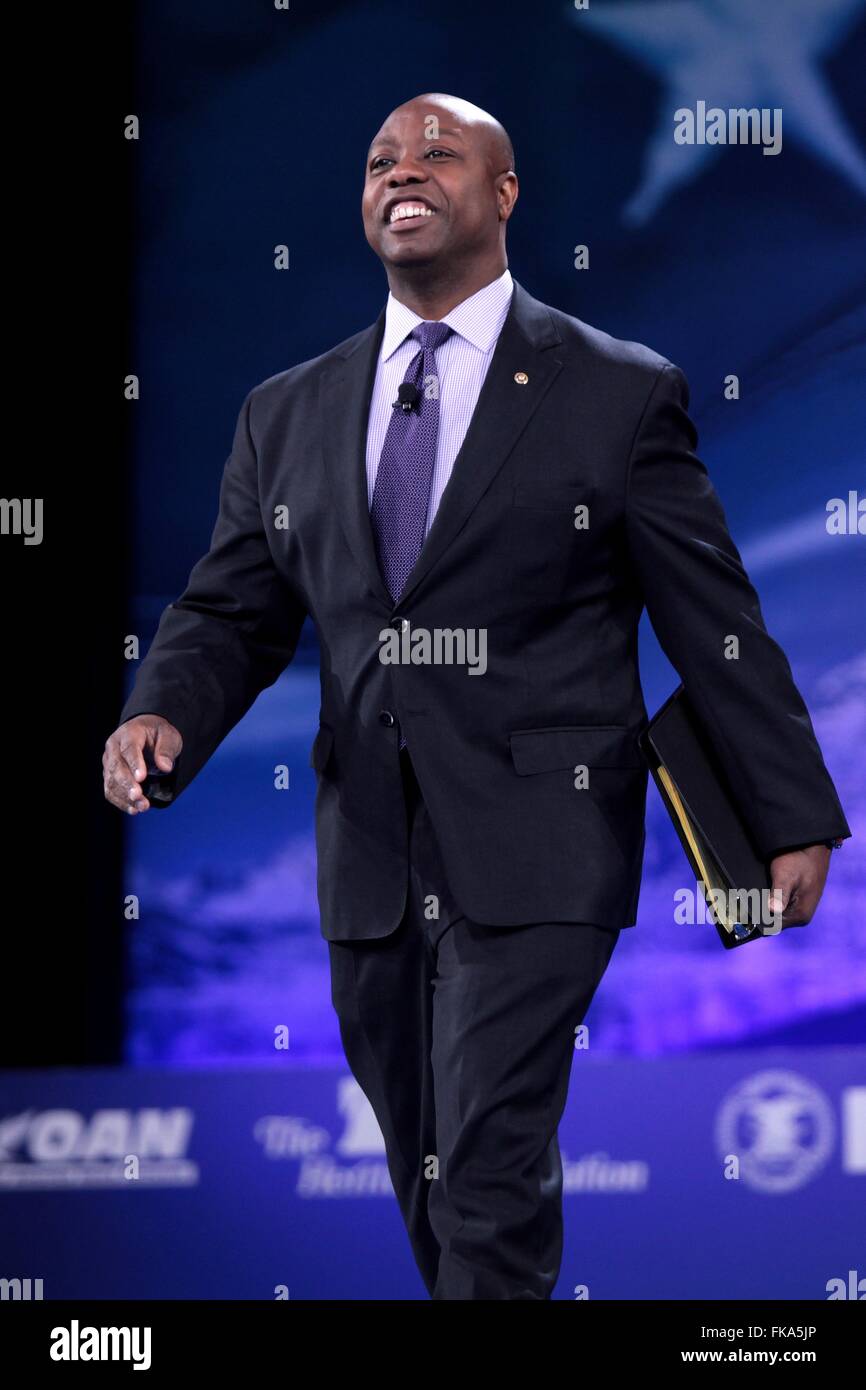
column 521, row 378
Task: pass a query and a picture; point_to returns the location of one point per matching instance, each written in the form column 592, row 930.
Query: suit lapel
column 503, row 411
column 345, row 406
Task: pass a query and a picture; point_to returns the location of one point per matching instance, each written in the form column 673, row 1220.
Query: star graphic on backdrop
column 733, row 53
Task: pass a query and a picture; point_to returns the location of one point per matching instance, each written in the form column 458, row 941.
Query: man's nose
column 407, row 171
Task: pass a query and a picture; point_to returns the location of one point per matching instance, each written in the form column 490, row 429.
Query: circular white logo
column 780, row 1127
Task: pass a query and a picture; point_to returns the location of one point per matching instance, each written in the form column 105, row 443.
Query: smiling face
column 439, row 187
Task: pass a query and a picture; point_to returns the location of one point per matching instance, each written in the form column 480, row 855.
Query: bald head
column 440, row 187
column 490, row 133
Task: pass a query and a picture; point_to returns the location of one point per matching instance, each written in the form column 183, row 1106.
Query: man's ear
column 506, row 196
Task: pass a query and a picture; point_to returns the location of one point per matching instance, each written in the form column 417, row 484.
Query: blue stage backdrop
column 729, row 260
column 727, row 1176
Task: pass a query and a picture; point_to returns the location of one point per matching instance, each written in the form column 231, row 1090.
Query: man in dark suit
column 474, row 499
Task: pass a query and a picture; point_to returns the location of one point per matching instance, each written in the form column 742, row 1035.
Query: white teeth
column 404, row 210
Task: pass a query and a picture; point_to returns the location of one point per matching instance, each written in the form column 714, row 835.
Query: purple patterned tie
column 401, row 494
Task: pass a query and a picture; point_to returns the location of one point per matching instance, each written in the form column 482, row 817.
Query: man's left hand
column 798, row 879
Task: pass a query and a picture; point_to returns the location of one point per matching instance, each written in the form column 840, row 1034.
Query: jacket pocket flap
column 589, row 745
column 321, row 749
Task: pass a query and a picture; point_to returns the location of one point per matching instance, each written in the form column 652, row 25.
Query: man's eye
column 386, row 159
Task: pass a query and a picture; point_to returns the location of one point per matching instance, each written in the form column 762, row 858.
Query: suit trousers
column 461, row 1036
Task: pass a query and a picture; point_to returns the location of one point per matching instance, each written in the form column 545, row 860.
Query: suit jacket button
column 387, row 718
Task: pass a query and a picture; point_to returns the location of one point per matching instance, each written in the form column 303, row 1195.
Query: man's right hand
column 145, row 744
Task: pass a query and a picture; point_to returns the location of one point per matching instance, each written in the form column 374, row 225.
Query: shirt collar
column 478, row 319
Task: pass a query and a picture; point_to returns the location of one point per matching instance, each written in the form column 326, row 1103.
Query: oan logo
column 110, row 1148
column 781, row 1129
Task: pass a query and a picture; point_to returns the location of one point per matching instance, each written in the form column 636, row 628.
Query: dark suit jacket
column 599, row 422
